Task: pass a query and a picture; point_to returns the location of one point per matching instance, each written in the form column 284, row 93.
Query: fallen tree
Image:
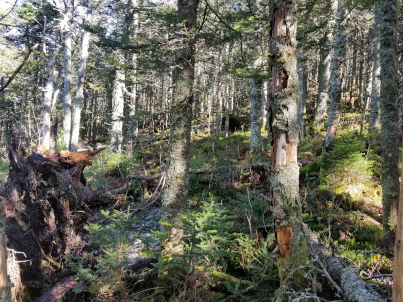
column 353, row 286
column 222, row 169
column 44, row 202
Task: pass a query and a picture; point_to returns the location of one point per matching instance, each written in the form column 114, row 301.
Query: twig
column 15, row 3
column 379, row 276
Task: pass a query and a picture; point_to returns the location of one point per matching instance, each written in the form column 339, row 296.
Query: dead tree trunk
column 353, row 286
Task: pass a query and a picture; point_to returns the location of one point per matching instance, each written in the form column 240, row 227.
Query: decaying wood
column 58, row 291
column 353, row 286
column 75, row 162
column 222, row 169
column 39, row 203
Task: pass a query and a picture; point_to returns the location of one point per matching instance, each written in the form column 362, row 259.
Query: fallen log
column 353, row 286
column 221, row 169
column 58, row 291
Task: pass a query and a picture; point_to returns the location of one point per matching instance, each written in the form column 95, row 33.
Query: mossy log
column 353, row 286
column 44, row 203
column 58, row 291
column 221, row 169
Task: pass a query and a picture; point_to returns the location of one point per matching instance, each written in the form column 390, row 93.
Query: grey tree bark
column 256, row 85
column 324, row 73
column 117, row 105
column 336, row 80
column 374, row 115
column 66, row 33
column 75, row 129
column 47, row 97
column 303, row 92
column 176, row 190
column 390, row 130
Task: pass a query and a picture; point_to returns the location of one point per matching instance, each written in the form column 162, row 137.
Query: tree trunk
column 390, row 131
column 376, row 75
column 336, row 81
column 256, row 85
column 176, row 190
column 303, row 93
column 67, row 73
column 397, row 291
column 291, row 242
column 117, row 106
column 324, row 74
column 349, row 281
column 75, row 130
column 47, row 98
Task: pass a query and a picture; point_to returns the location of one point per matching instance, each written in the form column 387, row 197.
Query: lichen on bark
column 291, row 243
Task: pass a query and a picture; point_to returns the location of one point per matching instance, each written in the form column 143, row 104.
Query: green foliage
column 108, row 164
column 111, row 244
column 347, row 165
column 210, row 235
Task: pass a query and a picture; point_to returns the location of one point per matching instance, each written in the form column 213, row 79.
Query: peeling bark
column 285, row 134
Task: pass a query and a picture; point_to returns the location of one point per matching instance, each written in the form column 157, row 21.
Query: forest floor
column 229, row 222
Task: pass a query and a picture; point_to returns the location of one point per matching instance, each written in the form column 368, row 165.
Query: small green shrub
column 111, row 245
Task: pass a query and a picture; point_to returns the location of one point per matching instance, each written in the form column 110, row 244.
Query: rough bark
column 376, row 75
column 354, row 287
column 75, row 129
column 397, row 291
column 176, row 191
column 291, row 242
column 256, row 85
column 390, row 130
column 336, row 80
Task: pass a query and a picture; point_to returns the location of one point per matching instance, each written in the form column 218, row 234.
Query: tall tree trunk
column 47, row 98
column 176, row 190
column 117, row 106
column 75, row 129
column 397, row 291
column 291, row 242
column 67, row 72
column 336, row 81
column 256, row 84
column 389, row 117
column 303, row 93
column 376, row 75
column 324, row 74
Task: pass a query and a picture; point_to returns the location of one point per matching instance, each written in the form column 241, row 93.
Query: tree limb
column 26, row 57
column 353, row 286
